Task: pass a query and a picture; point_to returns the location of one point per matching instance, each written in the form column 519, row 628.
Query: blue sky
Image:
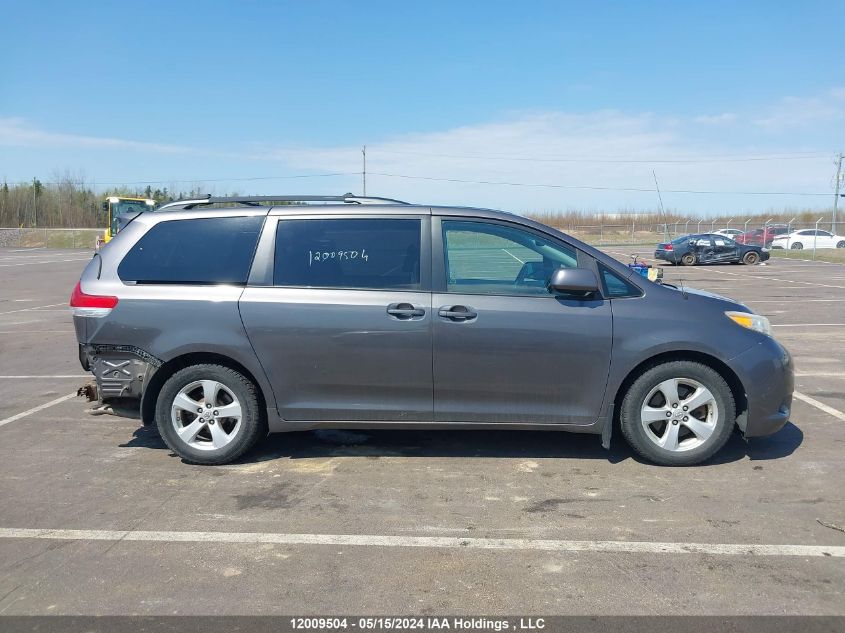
column 584, row 98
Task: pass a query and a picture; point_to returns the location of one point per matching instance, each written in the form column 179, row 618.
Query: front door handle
column 457, row 313
column 404, row 311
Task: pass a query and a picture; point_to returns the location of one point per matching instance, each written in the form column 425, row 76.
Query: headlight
column 751, row 321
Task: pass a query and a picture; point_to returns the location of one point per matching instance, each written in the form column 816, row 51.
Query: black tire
column 252, row 428
column 797, row 246
column 630, row 417
column 840, row 244
column 750, row 258
column 688, row 259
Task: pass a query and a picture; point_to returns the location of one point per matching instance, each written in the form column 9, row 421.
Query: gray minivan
column 224, row 319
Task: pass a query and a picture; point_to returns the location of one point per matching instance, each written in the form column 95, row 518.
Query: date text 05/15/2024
column 455, row 623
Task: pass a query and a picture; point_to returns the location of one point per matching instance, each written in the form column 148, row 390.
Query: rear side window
column 348, row 253
column 201, row 251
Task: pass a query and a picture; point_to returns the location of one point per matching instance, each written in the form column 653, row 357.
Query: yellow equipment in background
column 114, row 207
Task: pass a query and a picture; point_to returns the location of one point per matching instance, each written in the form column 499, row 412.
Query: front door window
column 486, row 258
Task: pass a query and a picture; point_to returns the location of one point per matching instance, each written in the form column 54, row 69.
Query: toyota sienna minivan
column 224, row 319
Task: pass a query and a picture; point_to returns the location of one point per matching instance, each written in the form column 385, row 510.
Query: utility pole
column 836, row 195
column 364, row 173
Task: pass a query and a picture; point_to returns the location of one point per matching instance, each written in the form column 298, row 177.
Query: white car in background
column 809, row 238
column 728, row 232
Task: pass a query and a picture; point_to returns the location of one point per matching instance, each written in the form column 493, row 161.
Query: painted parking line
column 36, row 331
column 51, row 376
column 821, row 406
column 786, row 301
column 45, row 377
column 809, row 325
column 820, row 374
column 787, row 281
column 439, row 542
column 30, row 322
column 53, row 261
column 33, row 308
column 40, row 407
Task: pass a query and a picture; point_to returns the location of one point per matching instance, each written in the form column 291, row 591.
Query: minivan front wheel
column 678, row 413
column 209, row 414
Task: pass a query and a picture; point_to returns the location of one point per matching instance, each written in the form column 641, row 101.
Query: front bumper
column 767, row 373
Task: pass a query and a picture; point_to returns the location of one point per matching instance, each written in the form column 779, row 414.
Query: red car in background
column 762, row 237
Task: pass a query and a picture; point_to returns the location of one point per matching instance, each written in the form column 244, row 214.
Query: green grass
column 836, row 255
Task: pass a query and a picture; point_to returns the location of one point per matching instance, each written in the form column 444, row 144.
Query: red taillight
column 90, row 305
column 668, row 247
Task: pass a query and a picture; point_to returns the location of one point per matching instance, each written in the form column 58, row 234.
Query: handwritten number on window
column 318, row 257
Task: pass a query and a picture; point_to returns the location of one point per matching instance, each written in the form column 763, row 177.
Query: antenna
column 364, row 173
column 662, row 210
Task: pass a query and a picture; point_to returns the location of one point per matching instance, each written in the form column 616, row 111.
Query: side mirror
column 573, row 281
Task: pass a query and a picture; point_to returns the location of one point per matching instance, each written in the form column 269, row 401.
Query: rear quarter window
column 194, row 251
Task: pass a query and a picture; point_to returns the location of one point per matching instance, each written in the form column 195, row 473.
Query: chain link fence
column 650, row 234
column 640, row 234
column 49, row 238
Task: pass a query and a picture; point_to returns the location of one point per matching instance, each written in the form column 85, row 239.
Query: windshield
column 129, row 206
column 123, row 207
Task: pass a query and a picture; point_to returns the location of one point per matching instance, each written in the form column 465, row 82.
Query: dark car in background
column 709, row 248
column 762, row 237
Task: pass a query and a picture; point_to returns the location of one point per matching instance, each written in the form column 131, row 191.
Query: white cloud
column 802, row 112
column 716, row 119
column 16, row 132
column 596, row 160
column 593, row 160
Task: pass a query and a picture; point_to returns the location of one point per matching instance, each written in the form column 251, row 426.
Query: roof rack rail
column 259, row 200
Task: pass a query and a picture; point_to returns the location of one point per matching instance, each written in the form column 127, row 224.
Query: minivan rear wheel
column 209, row 414
column 678, row 413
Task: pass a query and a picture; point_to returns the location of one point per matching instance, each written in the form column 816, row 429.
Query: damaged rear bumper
column 120, row 371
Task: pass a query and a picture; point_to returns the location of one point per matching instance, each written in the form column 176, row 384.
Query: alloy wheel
column 206, row 415
column 679, row 414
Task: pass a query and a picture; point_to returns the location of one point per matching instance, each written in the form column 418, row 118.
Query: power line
column 435, row 179
column 558, row 159
column 599, row 188
column 190, row 180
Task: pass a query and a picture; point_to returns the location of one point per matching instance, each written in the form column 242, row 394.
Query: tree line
column 69, row 202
